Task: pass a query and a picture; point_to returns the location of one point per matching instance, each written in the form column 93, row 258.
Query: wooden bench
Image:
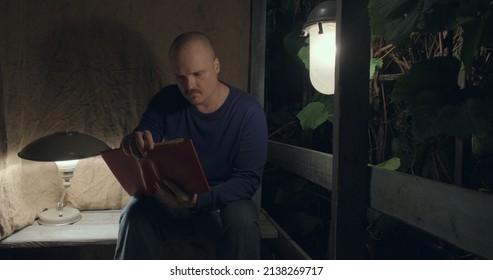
column 97, row 230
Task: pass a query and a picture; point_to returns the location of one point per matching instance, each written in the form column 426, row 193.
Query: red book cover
column 173, row 160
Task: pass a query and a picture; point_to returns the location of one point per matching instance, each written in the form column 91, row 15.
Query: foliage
column 439, row 106
column 442, row 49
column 391, row 164
column 432, row 92
column 320, row 109
column 397, row 21
column 283, row 73
column 300, row 207
column 431, row 87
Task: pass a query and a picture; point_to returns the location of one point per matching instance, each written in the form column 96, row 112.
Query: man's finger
column 125, row 146
column 172, row 187
column 130, row 145
column 139, row 149
column 165, row 195
column 148, row 140
column 180, row 195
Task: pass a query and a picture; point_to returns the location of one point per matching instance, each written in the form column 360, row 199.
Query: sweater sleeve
column 168, row 100
column 248, row 164
column 152, row 118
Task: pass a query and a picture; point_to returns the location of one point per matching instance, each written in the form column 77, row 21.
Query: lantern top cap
column 323, row 12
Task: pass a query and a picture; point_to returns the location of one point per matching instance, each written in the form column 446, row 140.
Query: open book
column 173, row 160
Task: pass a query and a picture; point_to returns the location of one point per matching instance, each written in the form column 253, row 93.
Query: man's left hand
column 173, row 196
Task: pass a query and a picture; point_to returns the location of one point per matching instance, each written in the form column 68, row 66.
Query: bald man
column 229, row 131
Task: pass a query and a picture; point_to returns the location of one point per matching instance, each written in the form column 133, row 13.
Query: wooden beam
column 351, row 107
column 458, row 215
column 257, row 49
column 458, row 161
column 257, row 60
column 286, row 247
column 455, row 214
column 313, row 165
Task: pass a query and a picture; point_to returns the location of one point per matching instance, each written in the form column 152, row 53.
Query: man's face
column 196, row 70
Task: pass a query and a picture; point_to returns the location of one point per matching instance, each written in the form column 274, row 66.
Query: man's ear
column 217, row 65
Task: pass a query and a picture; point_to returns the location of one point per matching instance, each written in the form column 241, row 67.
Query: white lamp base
column 58, row 217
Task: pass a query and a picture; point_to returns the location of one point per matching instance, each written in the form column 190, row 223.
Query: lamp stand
column 58, row 217
column 61, row 215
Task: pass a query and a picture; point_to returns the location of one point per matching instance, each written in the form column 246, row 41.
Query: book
column 173, row 160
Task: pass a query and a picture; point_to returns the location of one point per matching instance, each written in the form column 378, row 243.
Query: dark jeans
column 146, row 223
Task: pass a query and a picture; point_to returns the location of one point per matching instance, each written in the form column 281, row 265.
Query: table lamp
column 65, row 149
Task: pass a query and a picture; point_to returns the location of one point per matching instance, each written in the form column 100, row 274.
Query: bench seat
column 95, row 228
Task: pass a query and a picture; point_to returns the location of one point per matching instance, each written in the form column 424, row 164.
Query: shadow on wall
column 94, row 77
column 97, row 77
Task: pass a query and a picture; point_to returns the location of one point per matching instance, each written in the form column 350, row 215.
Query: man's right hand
column 137, row 144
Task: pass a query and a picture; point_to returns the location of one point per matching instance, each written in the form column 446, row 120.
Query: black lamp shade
column 323, row 12
column 67, row 145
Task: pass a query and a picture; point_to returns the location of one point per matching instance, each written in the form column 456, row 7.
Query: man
column 229, row 132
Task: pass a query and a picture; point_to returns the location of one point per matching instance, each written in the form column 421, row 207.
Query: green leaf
column 293, row 42
column 302, row 223
column 427, row 87
column 468, row 117
column 477, row 33
column 328, row 101
column 391, row 164
column 482, row 145
column 488, row 28
column 313, row 115
column 394, row 20
column 442, row 15
column 375, row 65
column 289, row 192
column 437, row 105
column 397, row 20
column 304, row 55
column 428, row 82
column 380, row 224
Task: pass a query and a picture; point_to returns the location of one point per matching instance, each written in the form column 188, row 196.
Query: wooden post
column 257, row 60
column 257, row 49
column 350, row 172
column 458, row 161
column 3, row 125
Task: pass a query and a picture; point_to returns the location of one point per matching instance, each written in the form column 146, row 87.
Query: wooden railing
column 457, row 215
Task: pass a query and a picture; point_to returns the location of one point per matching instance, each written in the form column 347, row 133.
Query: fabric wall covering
column 92, row 66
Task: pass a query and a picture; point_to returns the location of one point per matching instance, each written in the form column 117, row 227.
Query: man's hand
column 137, row 144
column 173, row 196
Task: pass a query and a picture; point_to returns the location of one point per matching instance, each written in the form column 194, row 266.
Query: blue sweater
column 231, row 143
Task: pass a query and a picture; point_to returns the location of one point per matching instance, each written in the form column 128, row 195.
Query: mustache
column 193, row 91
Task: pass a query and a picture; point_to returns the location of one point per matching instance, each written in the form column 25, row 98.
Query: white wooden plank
column 95, row 227
column 458, row 215
column 312, row 165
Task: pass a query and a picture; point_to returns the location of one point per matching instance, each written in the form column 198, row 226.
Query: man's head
column 195, row 66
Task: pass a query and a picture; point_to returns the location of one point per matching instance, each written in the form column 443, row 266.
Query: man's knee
column 241, row 215
column 241, row 239
column 137, row 209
